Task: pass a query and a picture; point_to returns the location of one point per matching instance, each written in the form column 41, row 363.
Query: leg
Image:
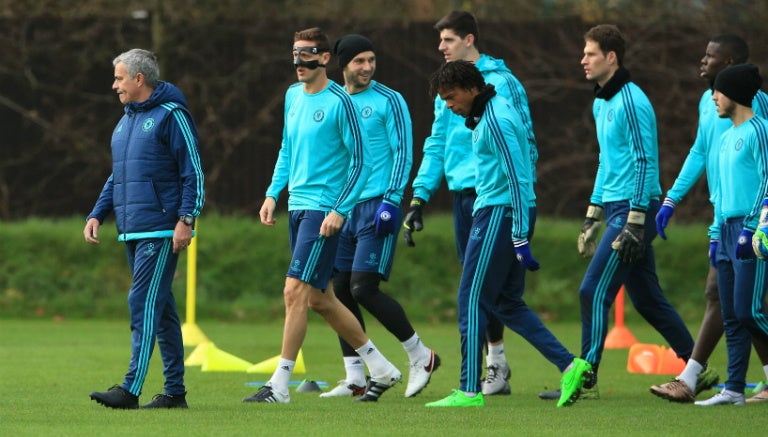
column 736, row 336
column 339, row 317
column 711, row 329
column 341, row 288
column 696, row 376
column 599, row 288
column 153, row 268
column 643, row 288
column 384, row 375
column 389, row 312
column 171, row 345
column 472, row 320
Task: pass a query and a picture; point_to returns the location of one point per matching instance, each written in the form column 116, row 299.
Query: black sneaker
column 375, row 389
column 266, row 394
column 167, row 401
column 116, row 397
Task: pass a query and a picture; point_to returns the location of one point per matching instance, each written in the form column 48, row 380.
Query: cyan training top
column 322, row 157
column 387, row 122
column 705, row 151
column 448, row 150
column 503, row 172
column 625, row 122
column 743, row 168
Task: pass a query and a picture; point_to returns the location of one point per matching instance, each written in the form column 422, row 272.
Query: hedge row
column 46, row 270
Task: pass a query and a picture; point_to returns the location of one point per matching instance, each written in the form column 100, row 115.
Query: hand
column 413, row 220
column 663, row 216
column 331, row 224
column 387, row 218
column 760, row 243
column 713, row 252
column 587, row 242
column 267, row 212
column 744, row 245
column 182, row 236
column 524, row 257
column 91, row 231
column 760, row 239
column 629, row 242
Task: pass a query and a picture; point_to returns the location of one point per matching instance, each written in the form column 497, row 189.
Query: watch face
column 187, row 220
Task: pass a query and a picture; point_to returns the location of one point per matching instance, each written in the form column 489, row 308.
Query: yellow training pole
column 190, row 332
column 206, row 354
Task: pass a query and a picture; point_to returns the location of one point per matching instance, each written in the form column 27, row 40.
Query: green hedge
column 46, row 270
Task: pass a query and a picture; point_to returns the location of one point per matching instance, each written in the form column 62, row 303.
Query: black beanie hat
column 350, row 46
column 739, row 83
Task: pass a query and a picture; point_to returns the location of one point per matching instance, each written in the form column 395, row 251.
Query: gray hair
column 140, row 61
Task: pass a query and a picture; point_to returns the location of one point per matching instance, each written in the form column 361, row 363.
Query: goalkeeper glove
column 524, row 257
column 744, row 245
column 413, row 220
column 587, row 242
column 760, row 239
column 387, row 218
column 629, row 242
column 662, row 218
column 713, row 252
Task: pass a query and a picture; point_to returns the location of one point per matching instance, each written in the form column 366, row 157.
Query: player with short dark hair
column 368, row 239
column 626, row 191
column 721, row 52
column 498, row 252
column 447, row 155
column 742, row 186
column 324, row 185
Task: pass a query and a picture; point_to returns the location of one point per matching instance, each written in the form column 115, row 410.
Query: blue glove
column 713, row 252
column 387, row 218
column 744, row 245
column 524, row 257
column 663, row 216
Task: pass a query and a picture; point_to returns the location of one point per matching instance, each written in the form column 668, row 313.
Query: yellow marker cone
column 193, row 335
column 217, row 360
column 269, row 365
column 197, row 357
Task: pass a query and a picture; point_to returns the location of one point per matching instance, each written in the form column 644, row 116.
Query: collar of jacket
column 614, row 84
column 478, row 106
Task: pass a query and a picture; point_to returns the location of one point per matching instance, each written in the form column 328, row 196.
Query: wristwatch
column 187, row 220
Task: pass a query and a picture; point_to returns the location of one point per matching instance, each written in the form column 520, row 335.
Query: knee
column 341, row 282
column 317, row 305
column 293, row 293
column 364, row 285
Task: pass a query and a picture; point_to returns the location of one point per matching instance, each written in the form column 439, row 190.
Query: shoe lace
column 492, row 372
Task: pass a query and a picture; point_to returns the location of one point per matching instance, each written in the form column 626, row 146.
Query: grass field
column 47, row 369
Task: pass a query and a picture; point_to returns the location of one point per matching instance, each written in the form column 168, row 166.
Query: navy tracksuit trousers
column 153, row 314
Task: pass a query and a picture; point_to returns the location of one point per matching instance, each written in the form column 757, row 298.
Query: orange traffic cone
column 653, row 359
column 619, row 337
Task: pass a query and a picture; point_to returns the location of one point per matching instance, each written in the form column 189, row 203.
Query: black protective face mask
column 298, row 62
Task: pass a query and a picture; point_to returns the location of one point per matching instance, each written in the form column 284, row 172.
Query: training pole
column 190, row 332
column 619, row 337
